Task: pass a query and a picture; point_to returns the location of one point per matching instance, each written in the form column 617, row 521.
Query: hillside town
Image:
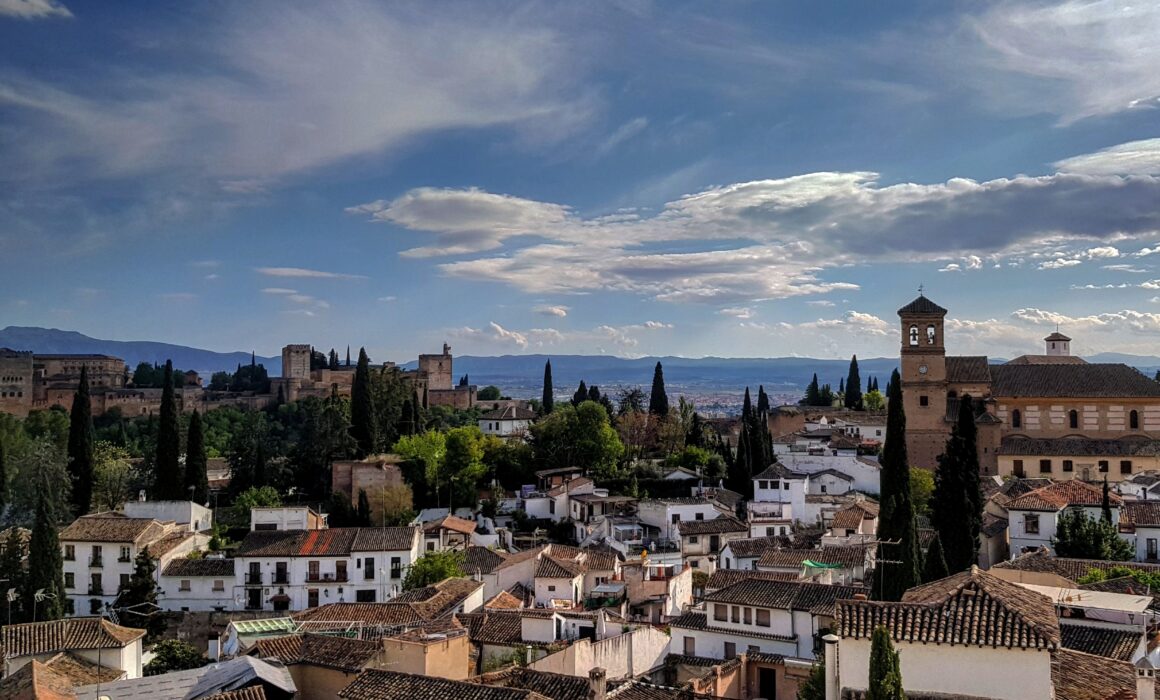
column 352, row 530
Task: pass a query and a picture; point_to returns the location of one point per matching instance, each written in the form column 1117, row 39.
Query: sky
column 744, row 179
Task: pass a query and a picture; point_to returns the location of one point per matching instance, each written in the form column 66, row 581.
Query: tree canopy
column 434, row 567
column 896, row 523
column 577, row 436
column 956, row 504
column 1079, row 536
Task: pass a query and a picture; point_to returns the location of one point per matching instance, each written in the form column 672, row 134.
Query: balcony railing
column 96, row 562
column 96, row 590
column 282, row 578
column 253, row 579
column 337, row 577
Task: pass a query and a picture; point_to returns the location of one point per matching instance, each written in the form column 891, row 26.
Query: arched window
column 914, row 335
column 930, row 335
column 1016, row 419
column 1073, row 418
column 1134, row 420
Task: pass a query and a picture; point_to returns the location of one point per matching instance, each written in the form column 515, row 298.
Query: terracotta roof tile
column 482, row 559
column 849, row 556
column 509, row 413
column 451, row 522
column 384, row 539
column 81, row 671
column 1072, row 569
column 1071, row 381
column 1143, row 513
column 1062, row 494
column 749, row 547
column 36, row 681
column 106, row 527
column 254, row 692
column 1079, row 447
column 551, row 685
column 968, row 369
column 723, row 578
column 390, row 685
column 784, row 595
column 699, row 621
column 922, row 305
column 1079, row 676
column 547, row 567
column 715, row 526
column 349, row 655
column 200, row 567
column 503, row 601
column 1116, row 644
column 69, row 634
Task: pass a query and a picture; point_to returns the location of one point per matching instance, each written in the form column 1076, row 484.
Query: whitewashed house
column 509, row 421
column 664, row 514
column 558, row 583
column 286, row 518
column 196, row 517
column 702, row 540
column 1140, row 525
column 201, row 584
column 554, row 503
column 1032, row 517
column 91, row 640
column 865, row 471
column 743, row 553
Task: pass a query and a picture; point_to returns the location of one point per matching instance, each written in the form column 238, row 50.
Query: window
column 340, row 570
column 70, row 552
column 184, row 585
column 551, row 589
column 748, row 616
column 69, row 607
column 430, row 546
column 368, row 568
column 762, row 617
column 124, row 553
column 690, row 646
column 1125, row 466
column 1031, row 524
column 753, row 649
column 367, row 596
column 1067, row 465
column 694, row 539
column 70, row 580
column 774, row 484
column 312, row 571
column 1016, row 419
column 823, row 488
column 1151, row 548
column 923, row 401
column 552, row 506
column 219, row 585
column 930, row 335
column 763, row 484
column 676, row 518
column 720, row 612
column 699, row 516
column 124, row 581
column 1134, row 420
column 396, row 567
column 769, row 531
column 914, row 335
column 1104, row 465
column 1045, row 466
column 735, row 613
column 94, row 607
column 695, row 563
column 1073, row 419
column 730, row 650
column 1017, row 467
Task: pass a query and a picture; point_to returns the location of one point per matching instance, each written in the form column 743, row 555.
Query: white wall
column 828, row 484
column 660, row 515
column 503, row 427
column 288, row 518
column 1003, row 674
column 623, row 656
column 201, row 594
column 565, row 588
column 711, row 644
column 196, row 516
column 866, row 476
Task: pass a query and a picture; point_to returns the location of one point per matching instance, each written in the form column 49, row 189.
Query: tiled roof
column 836, row 473
column 784, row 595
column 438, row 599
column 599, row 560
column 751, row 546
column 722, row 578
column 1072, row 569
column 520, row 591
column 509, row 413
column 777, row 471
column 482, row 559
column 699, row 621
column 502, row 628
column 851, row 517
column 81, row 671
column 1143, row 513
column 503, row 601
column 993, row 525
column 168, row 542
column 1119, row 644
column 848, row 556
column 270, row 543
column 69, row 634
column 968, row 369
column 643, row 690
column 715, row 526
column 450, row 522
column 1046, row 360
column 1061, row 494
column 1071, row 381
column 253, row 692
column 547, row 567
column 971, row 608
column 331, row 542
column 107, row 527
column 681, row 501
column 1126, row 585
column 349, row 655
column 384, row 539
column 221, row 568
column 36, row 681
column 550, row 685
column 390, row 685
column 387, row 614
column 1079, row 676
column 922, row 305
column 1078, row 447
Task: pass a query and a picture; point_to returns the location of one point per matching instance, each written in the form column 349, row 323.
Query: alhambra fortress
column 30, row 381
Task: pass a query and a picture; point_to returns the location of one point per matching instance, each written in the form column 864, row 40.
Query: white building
column 91, row 639
column 205, row 583
column 865, row 471
column 509, row 421
column 663, row 514
column 1140, row 525
column 300, row 569
column 1032, row 517
column 100, row 550
column 702, row 540
column 196, row 517
column 759, row 615
column 554, row 504
column 743, row 553
column 286, row 518
column 857, row 523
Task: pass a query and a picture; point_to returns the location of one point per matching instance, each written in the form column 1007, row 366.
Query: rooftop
column 1073, row 569
column 68, row 634
column 714, row 526
column 200, row 567
column 1061, row 494
column 922, row 305
column 1071, row 381
column 111, row 527
column 817, row 598
column 391, row 685
column 348, row 655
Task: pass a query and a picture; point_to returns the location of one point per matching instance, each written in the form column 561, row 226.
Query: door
column 767, row 683
column 312, row 597
column 690, row 646
column 255, row 575
column 254, row 599
column 714, row 543
column 1151, row 548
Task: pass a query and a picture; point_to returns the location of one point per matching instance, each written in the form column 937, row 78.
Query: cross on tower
column 920, row 289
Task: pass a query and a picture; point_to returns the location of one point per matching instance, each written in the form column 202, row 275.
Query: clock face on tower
column 922, row 369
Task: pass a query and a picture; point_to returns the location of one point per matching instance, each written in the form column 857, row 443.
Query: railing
column 338, row 577
column 253, row 578
column 96, row 562
column 96, row 590
column 281, row 578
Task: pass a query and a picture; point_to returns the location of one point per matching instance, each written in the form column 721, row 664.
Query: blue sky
column 631, row 178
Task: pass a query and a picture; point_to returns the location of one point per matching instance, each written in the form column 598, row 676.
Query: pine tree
column 548, row 401
column 45, row 562
column 12, row 571
column 594, row 393
column 934, row 567
column 658, row 403
column 853, row 388
column 80, row 446
column 196, row 478
column 363, row 427
column 1106, row 503
column 696, row 435
column 885, row 682
column 813, row 395
column 762, row 400
column 581, row 394
column 137, row 599
column 956, row 503
column 896, row 515
column 168, row 478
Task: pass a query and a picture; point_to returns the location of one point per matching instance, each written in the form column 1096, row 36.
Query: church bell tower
column 924, row 380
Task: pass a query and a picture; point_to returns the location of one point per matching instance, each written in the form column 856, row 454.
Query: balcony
column 253, row 579
column 282, row 577
column 96, row 590
column 96, row 562
column 337, row 577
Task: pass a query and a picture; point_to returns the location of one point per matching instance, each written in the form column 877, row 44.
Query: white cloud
column 503, row 334
column 33, row 9
column 623, row 133
column 1102, row 252
column 820, row 302
column 738, row 312
column 1143, row 252
column 205, row 263
column 853, row 321
column 1123, row 268
column 278, row 290
column 1059, row 263
column 304, row 273
column 1132, row 158
column 389, row 298
column 952, row 267
column 551, row 310
column 177, row 296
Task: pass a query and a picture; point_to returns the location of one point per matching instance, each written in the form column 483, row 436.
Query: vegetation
column 934, row 567
column 896, row 516
column 853, row 387
column 44, row 590
column 873, row 400
column 814, row 687
column 362, row 408
column 174, row 655
column 434, row 567
column 196, row 478
column 168, row 479
column 548, row 401
column 818, row 395
column 112, row 476
column 1078, row 536
column 957, row 504
column 1146, row 578
column 921, row 488
column 137, row 600
column 80, row 446
column 885, row 682
column 658, row 403
column 255, row 497
column 577, row 436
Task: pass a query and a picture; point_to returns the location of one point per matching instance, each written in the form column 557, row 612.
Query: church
column 1051, row 415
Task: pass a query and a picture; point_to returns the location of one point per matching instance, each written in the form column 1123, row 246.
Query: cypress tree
column 168, row 479
column 138, row 598
column 853, row 387
column 885, row 682
column 696, row 435
column 956, row 503
column 581, row 394
column 12, row 570
column 594, row 393
column 658, row 403
column 45, row 561
column 362, row 408
column 746, row 406
column 80, row 446
column 841, row 385
column 896, row 515
column 762, row 399
column 3, row 479
column 406, row 426
column 364, row 508
column 196, row 478
column 348, row 356
column 1106, row 503
column 548, row 400
column 813, row 394
column 416, row 417
column 934, row 567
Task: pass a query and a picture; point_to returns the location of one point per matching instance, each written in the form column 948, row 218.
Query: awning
column 810, row 564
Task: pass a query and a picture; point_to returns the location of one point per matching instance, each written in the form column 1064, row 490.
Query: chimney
column 831, row 666
column 1145, row 679
column 598, row 684
column 141, row 496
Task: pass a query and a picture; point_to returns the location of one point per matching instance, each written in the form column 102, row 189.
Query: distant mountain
column 53, row 341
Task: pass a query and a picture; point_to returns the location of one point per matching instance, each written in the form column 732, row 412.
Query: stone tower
column 924, row 380
column 296, row 362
